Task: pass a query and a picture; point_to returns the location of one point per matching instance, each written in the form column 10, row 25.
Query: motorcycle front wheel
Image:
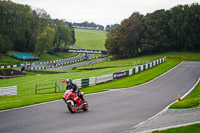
column 85, row 106
column 72, row 108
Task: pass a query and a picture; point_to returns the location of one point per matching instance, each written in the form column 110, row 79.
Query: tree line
column 109, row 27
column 25, row 29
column 177, row 29
column 87, row 25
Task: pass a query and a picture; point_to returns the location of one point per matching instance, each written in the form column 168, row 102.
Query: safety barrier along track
column 82, row 83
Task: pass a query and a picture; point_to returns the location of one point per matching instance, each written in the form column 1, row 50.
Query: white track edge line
column 165, row 109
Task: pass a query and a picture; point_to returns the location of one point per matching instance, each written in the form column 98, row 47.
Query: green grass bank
column 195, row 128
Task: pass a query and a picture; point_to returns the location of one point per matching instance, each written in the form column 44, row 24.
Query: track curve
column 109, row 112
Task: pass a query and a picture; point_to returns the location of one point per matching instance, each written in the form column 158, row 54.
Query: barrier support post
column 55, row 85
column 35, row 88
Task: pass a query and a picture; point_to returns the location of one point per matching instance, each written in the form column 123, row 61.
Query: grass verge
column 195, row 128
column 192, row 100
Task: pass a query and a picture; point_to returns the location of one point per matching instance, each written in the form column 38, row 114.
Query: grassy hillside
column 90, row 39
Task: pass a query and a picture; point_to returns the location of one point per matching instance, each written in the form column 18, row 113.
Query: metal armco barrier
column 39, row 63
column 82, row 83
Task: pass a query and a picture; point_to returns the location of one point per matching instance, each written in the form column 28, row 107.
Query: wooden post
column 35, row 88
column 55, row 85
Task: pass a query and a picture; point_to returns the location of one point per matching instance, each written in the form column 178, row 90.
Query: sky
column 99, row 11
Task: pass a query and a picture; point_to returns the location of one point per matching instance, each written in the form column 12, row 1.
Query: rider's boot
column 81, row 96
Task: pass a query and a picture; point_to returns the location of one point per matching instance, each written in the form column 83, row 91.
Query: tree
column 111, row 42
column 45, row 40
column 63, row 35
column 73, row 36
column 184, row 27
column 2, row 44
column 124, row 41
column 155, row 37
column 108, row 27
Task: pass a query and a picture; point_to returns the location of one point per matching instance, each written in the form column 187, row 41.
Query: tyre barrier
column 49, row 64
column 40, row 63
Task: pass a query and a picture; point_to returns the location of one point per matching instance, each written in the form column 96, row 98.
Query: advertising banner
column 104, row 78
column 80, row 51
column 84, row 82
column 119, row 75
column 92, row 81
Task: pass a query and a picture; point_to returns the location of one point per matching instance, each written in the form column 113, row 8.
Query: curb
column 169, row 127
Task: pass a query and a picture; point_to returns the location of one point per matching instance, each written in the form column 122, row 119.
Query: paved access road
column 115, row 111
column 69, row 67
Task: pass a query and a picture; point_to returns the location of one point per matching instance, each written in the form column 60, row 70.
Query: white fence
column 104, row 78
column 11, row 90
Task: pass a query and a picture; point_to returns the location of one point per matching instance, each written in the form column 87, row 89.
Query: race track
column 115, row 111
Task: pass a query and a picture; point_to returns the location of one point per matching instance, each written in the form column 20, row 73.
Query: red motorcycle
column 74, row 102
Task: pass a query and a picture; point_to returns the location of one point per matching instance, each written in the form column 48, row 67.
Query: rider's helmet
column 68, row 81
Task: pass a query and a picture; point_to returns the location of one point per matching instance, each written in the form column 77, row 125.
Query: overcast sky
column 99, row 11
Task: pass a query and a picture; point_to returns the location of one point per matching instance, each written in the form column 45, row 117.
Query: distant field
column 90, row 39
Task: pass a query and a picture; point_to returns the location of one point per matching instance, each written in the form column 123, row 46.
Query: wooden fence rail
column 46, row 88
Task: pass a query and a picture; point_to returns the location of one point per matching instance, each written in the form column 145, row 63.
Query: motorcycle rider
column 73, row 86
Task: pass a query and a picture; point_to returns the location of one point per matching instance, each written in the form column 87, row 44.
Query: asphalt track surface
column 116, row 111
column 63, row 61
